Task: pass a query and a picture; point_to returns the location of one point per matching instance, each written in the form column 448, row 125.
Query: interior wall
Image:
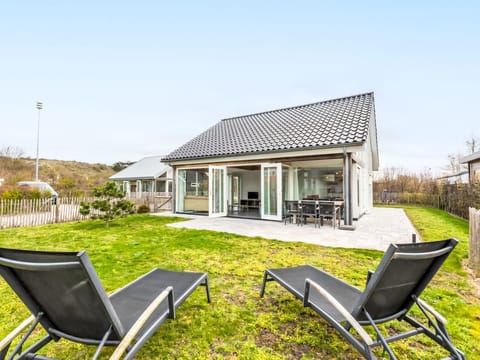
column 250, row 182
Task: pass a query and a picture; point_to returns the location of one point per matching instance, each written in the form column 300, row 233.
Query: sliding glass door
column 271, row 186
column 217, row 191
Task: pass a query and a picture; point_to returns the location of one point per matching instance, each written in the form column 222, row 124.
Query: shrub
column 13, row 194
column 108, row 205
column 143, row 209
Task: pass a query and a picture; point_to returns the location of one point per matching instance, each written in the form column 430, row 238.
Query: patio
column 375, row 230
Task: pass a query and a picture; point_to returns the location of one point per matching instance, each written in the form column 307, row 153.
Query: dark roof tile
column 327, row 123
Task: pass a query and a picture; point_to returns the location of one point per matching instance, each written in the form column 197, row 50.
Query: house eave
column 132, row 178
column 470, row 158
column 293, row 153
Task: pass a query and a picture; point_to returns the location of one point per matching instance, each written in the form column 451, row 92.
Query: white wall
column 250, row 181
column 365, row 176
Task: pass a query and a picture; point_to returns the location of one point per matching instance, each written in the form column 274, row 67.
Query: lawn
column 239, row 324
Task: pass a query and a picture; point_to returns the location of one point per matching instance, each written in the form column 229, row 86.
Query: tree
column 454, row 165
column 108, row 205
column 472, row 145
column 9, row 159
column 13, row 152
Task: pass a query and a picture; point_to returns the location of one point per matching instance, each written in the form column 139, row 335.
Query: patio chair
column 65, row 296
column 328, row 211
column 390, row 293
column 308, row 209
column 292, row 211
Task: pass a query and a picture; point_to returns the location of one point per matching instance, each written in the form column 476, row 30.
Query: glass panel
column 181, row 189
column 296, row 191
column 161, row 185
column 192, row 191
column 270, row 191
column 285, row 187
column 235, row 190
column 147, row 185
column 218, row 190
column 317, row 183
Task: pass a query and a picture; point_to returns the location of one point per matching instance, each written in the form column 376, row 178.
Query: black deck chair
column 65, row 296
column 292, row 210
column 328, row 210
column 391, row 291
column 308, row 209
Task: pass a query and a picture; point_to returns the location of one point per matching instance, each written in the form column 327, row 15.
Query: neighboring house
column 147, row 177
column 249, row 165
column 473, row 162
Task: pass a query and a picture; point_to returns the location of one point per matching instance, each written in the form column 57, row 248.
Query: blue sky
column 121, row 80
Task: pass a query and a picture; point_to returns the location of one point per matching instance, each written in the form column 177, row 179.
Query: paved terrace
column 375, row 230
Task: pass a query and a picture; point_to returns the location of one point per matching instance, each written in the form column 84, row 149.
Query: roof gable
column 337, row 122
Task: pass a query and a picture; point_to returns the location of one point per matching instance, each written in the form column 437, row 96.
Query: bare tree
column 453, row 163
column 473, row 144
column 13, row 152
column 9, row 159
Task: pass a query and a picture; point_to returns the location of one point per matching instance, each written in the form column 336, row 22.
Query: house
column 473, row 162
column 145, row 178
column 249, row 165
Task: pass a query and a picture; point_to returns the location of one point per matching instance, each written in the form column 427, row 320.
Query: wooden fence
column 157, row 201
column 474, row 252
column 32, row 212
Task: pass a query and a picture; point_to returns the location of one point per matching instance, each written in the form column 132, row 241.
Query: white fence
column 32, row 212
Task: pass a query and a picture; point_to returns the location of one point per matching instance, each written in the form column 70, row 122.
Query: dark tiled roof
column 328, row 123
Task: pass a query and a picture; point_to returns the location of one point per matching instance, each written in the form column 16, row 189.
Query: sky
column 121, row 80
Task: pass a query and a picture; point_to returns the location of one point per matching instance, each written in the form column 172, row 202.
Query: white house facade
column 247, row 166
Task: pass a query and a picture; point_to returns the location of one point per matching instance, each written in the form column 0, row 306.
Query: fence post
column 474, row 252
column 57, row 209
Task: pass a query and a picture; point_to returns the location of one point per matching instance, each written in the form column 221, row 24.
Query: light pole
column 39, row 107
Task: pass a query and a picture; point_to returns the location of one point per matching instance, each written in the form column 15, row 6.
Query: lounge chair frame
column 354, row 315
column 126, row 340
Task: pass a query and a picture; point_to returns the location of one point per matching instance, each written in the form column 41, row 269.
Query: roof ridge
column 152, row 156
column 300, row 106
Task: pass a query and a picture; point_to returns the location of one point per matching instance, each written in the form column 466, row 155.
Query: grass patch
column 238, row 324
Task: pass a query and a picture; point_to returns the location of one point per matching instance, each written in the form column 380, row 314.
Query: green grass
column 238, row 324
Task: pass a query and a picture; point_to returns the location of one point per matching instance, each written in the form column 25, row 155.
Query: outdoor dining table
column 335, row 212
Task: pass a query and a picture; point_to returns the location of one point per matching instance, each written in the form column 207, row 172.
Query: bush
column 143, row 209
column 13, row 194
column 108, row 204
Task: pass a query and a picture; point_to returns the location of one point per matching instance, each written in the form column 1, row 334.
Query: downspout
column 347, row 188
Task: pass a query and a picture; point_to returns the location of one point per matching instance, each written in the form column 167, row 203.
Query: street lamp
column 39, row 107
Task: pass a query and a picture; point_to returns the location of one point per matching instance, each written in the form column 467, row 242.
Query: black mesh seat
column 65, row 296
column 391, row 291
column 329, row 211
column 292, row 211
column 309, row 209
